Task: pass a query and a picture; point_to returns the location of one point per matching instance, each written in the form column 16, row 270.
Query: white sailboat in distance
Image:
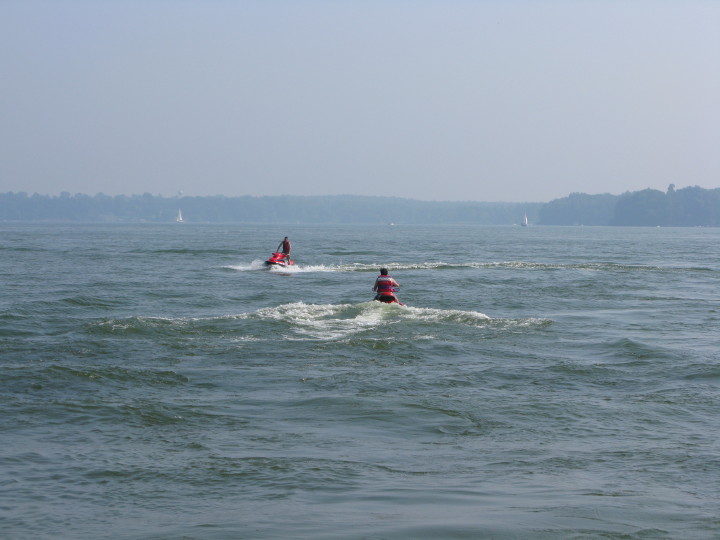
column 179, row 218
column 524, row 221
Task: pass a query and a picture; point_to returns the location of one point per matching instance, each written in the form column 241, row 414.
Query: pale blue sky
column 505, row 100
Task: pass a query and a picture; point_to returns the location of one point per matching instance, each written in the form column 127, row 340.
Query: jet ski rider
column 385, row 285
column 285, row 244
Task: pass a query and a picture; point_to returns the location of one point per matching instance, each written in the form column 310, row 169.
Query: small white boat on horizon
column 179, row 218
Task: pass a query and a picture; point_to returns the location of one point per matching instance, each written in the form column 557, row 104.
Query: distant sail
column 179, row 217
column 524, row 221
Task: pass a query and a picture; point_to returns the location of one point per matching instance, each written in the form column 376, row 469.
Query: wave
column 371, row 311
column 84, row 300
column 510, row 265
column 343, row 321
column 636, row 352
column 141, row 325
column 258, row 264
column 164, row 377
column 301, row 321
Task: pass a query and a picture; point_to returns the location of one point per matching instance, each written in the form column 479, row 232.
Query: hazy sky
column 485, row 100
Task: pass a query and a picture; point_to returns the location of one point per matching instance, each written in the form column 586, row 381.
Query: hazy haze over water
column 489, row 100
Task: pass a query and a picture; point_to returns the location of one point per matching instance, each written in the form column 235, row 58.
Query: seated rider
column 384, row 285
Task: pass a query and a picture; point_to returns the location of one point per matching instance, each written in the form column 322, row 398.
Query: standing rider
column 385, row 285
column 285, row 244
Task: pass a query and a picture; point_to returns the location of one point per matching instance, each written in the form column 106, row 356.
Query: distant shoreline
column 687, row 207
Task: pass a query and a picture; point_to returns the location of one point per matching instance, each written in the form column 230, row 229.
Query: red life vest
column 384, row 284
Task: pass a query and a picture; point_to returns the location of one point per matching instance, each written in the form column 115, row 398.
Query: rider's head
column 383, row 271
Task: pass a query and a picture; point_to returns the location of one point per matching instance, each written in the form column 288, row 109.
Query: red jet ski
column 279, row 259
column 388, row 298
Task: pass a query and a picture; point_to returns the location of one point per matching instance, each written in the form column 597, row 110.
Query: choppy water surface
column 157, row 381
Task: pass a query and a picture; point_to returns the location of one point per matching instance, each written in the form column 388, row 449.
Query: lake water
column 157, row 381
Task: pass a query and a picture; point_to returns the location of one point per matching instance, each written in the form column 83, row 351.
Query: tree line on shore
column 687, row 207
column 690, row 206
